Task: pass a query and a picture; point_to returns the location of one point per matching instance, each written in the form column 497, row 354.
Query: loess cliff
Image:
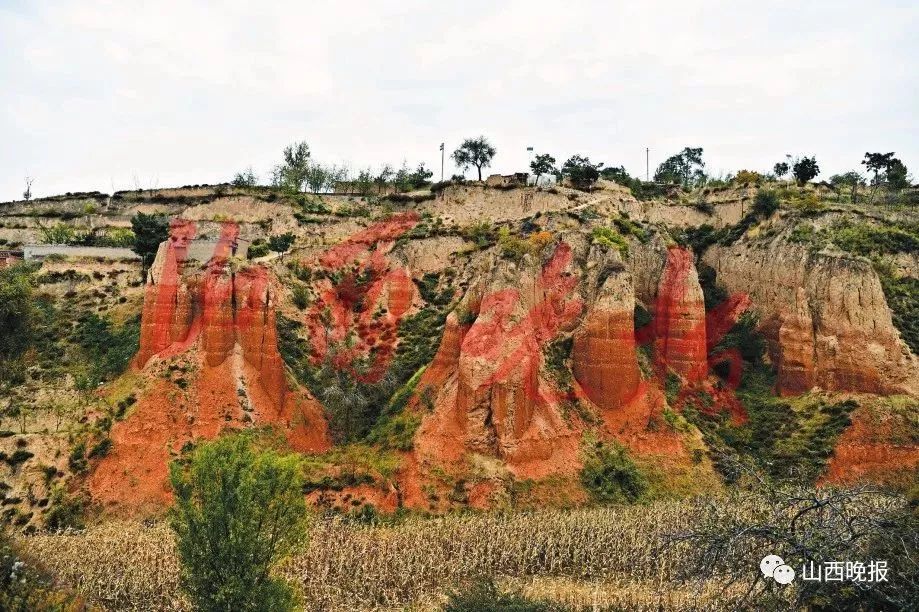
column 490, row 347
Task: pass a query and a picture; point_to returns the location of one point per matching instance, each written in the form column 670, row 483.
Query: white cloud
column 95, row 93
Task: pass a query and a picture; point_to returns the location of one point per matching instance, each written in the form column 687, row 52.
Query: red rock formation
column 603, row 357
column 490, row 397
column 237, row 376
column 679, row 319
column 168, row 311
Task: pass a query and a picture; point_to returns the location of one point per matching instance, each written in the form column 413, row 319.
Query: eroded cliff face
column 208, row 361
column 495, row 379
column 604, row 360
column 491, row 396
column 825, row 318
column 679, row 319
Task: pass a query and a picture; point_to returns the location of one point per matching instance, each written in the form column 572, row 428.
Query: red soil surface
column 218, row 327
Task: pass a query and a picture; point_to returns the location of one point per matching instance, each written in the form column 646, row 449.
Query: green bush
column 64, row 511
column 239, row 510
column 101, row 449
column 765, row 203
column 258, row 248
column 609, row 475
column 109, row 349
column 281, row 243
column 483, row 234
column 77, row 459
column 609, row 238
column 301, row 296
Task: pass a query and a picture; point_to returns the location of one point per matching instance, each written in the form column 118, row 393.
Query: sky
column 109, row 95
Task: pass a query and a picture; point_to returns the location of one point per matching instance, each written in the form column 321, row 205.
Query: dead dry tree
column 804, row 525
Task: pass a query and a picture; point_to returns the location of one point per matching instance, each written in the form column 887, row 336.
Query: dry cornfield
column 618, row 557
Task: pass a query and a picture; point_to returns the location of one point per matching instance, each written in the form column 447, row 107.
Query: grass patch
column 347, row 466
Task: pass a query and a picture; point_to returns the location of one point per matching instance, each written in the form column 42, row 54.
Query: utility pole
column 441, row 162
column 647, row 164
column 530, row 160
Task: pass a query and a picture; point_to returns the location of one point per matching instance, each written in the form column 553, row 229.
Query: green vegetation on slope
column 239, row 511
column 356, row 409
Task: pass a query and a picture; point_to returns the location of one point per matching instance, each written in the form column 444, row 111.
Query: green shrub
column 609, row 475
column 868, row 239
column 101, row 449
column 482, row 233
column 765, row 203
column 281, row 243
column 396, row 432
column 239, row 510
column 301, row 296
column 18, row 457
column 258, row 248
column 109, row 349
column 64, row 511
column 745, row 338
column 77, row 459
column 609, row 238
column 803, row 233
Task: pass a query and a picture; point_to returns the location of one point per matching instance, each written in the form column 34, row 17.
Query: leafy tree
column 116, row 237
column 805, row 169
column 581, row 172
column 850, row 180
column 685, row 168
column 765, row 203
column 149, row 232
column 401, row 179
column 364, row 182
column 292, row 173
column 877, row 163
column 60, row 233
column 317, row 177
column 780, row 169
column 239, row 510
column 542, row 164
column 476, row 152
column 420, row 177
column 246, row 178
column 281, row 243
column 617, row 174
column 897, row 175
column 385, row 175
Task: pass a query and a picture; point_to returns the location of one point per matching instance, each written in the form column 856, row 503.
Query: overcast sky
column 103, row 95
